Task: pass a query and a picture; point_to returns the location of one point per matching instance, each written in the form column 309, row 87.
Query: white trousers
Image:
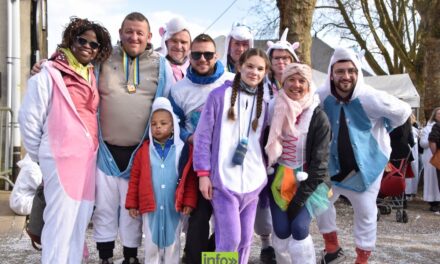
column 110, row 215
column 156, row 255
column 365, row 214
column 65, row 224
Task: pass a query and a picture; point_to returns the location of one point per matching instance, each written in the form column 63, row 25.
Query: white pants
column 65, row 224
column 156, row 255
column 110, row 214
column 365, row 214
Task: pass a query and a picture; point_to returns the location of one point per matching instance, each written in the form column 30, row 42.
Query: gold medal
column 131, row 88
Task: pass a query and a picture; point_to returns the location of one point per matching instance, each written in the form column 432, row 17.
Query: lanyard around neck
column 250, row 117
column 125, row 60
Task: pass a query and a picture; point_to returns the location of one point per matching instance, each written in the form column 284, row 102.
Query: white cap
column 172, row 27
column 283, row 44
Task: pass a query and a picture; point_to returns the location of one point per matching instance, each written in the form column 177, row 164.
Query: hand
column 205, row 187
column 133, row 212
column 190, row 139
column 37, row 67
column 187, row 210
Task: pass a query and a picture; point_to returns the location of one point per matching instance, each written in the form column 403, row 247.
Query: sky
column 198, row 13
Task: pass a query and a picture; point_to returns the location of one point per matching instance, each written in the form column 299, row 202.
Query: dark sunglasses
column 92, row 44
column 197, row 55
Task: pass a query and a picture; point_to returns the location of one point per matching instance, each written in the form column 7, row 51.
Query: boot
column 281, row 249
column 302, row 251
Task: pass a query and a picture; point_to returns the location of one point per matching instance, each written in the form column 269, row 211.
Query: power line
column 226, row 10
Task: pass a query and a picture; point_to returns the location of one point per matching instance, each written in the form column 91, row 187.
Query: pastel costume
column 235, row 187
column 162, row 182
column 60, row 132
column 431, row 192
column 360, row 127
column 28, row 180
column 123, row 121
column 188, row 98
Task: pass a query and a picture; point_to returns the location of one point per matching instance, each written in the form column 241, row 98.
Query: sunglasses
column 197, row 55
column 92, row 44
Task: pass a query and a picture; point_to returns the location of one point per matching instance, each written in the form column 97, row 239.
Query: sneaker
column 107, row 261
column 131, row 261
column 332, row 258
column 267, row 255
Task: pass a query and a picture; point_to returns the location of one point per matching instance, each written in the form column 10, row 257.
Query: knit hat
column 302, row 69
column 283, row 44
column 239, row 32
column 172, row 27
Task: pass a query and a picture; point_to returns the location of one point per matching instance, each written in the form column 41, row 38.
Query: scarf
column 200, row 79
column 79, row 68
column 286, row 112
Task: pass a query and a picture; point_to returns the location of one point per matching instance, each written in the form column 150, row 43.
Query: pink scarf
column 286, row 112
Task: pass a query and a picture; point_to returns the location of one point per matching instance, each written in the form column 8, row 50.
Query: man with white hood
column 175, row 46
column 360, row 118
column 237, row 42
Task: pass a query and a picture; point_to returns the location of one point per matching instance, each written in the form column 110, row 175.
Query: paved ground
column 417, row 241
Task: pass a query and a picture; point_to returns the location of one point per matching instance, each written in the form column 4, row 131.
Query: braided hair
column 236, row 85
column 78, row 26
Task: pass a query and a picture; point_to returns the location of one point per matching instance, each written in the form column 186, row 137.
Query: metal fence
column 6, row 147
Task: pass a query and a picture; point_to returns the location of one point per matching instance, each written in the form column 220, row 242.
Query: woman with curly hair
column 58, row 121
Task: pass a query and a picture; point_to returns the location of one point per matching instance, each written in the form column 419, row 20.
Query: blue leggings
column 298, row 228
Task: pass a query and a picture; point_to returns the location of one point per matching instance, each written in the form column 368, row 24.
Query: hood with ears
column 283, row 44
column 341, row 54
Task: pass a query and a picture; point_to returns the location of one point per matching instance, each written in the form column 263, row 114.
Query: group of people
column 248, row 140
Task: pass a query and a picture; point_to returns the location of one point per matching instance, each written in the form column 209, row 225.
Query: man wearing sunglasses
column 237, row 42
column 176, row 40
column 188, row 97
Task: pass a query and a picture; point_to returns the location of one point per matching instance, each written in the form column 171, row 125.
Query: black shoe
column 332, row 258
column 131, row 261
column 267, row 255
column 434, row 208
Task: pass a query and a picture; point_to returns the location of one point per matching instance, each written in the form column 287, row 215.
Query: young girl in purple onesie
column 228, row 154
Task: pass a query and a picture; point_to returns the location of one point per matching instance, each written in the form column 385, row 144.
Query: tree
column 298, row 16
column 430, row 46
column 293, row 14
